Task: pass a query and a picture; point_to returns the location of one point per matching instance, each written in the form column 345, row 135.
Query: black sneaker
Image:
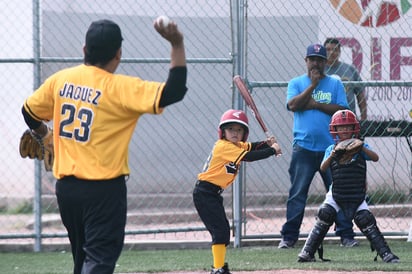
column 223, row 270
column 286, row 244
column 347, row 242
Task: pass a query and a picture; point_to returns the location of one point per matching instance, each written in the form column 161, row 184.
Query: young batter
column 219, row 172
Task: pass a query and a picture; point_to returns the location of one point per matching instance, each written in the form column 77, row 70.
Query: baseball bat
column 247, row 97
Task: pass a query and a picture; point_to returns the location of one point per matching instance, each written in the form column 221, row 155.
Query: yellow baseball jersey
column 223, row 163
column 94, row 114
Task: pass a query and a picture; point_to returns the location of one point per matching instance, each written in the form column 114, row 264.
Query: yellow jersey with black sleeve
column 223, row 163
column 94, row 114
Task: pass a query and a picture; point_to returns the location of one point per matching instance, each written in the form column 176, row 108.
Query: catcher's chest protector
column 349, row 184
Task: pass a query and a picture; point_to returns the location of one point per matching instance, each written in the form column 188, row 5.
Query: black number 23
column 70, row 114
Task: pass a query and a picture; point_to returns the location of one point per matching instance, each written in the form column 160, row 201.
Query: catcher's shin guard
column 366, row 222
column 326, row 217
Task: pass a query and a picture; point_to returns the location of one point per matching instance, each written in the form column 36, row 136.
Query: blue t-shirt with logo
column 311, row 127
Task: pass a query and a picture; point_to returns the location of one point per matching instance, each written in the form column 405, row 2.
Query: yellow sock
column 219, row 254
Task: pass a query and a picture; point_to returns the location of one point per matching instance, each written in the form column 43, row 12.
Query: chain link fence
column 264, row 41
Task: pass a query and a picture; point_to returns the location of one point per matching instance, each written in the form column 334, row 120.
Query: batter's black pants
column 94, row 214
column 209, row 205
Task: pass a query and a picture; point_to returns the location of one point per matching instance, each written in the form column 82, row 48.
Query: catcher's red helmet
column 342, row 118
column 234, row 116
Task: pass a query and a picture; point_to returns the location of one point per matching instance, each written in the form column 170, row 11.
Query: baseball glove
column 34, row 147
column 345, row 150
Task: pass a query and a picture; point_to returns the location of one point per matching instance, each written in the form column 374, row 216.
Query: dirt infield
column 287, row 271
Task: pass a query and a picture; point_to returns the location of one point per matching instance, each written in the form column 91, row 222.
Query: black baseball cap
column 103, row 36
column 316, row 50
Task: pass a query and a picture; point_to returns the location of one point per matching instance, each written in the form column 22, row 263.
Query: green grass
column 245, row 258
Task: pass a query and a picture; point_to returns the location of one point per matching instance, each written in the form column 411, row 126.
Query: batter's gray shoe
column 223, row 270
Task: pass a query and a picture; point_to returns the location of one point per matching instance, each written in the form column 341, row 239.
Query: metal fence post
column 37, row 169
column 239, row 9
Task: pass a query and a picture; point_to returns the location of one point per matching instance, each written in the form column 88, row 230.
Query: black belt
column 73, row 178
column 204, row 185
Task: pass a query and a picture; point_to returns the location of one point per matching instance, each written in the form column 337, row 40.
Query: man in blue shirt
column 313, row 98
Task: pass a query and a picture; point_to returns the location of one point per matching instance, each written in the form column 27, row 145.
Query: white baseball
column 163, row 21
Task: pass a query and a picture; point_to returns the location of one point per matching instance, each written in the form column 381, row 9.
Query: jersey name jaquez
column 223, row 163
column 88, row 104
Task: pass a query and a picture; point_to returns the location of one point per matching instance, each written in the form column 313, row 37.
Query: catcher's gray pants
column 94, row 214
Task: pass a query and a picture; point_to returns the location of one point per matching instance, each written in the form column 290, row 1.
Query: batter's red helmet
column 341, row 118
column 234, row 116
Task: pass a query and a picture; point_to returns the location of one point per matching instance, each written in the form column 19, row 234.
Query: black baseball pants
column 94, row 214
column 209, row 205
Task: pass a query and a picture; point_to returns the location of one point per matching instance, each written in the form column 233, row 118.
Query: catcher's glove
column 34, row 147
column 345, row 150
